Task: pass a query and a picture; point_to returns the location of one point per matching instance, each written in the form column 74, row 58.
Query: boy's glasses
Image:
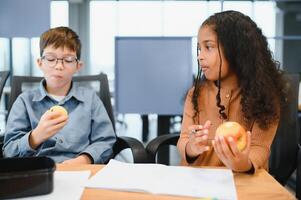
column 51, row 61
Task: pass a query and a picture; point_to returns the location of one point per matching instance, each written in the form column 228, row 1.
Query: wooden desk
column 260, row 186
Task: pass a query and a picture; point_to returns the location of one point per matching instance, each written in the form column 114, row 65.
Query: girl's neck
column 229, row 82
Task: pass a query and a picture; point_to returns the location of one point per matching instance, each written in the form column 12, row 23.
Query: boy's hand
column 229, row 154
column 50, row 123
column 82, row 159
column 198, row 139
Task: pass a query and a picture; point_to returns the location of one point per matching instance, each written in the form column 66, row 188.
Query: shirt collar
column 74, row 92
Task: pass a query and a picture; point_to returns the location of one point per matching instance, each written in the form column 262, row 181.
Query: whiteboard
column 152, row 74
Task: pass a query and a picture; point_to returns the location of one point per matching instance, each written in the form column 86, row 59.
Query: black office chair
column 137, row 148
column 3, row 78
column 284, row 149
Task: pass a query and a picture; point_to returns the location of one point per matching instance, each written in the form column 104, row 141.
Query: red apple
column 234, row 130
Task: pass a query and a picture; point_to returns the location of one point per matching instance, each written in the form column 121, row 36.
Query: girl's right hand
column 198, row 139
column 49, row 124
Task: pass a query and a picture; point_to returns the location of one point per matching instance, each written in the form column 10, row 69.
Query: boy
column 83, row 136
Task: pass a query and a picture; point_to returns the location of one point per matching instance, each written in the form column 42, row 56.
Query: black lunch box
column 28, row 176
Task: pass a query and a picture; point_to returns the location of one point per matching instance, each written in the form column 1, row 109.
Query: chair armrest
column 154, row 145
column 137, row 148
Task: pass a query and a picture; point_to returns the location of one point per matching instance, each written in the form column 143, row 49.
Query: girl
column 240, row 82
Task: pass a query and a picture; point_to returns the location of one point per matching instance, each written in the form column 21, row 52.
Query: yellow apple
column 59, row 109
column 234, row 130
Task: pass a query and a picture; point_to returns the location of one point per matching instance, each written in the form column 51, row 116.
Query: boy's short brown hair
column 60, row 37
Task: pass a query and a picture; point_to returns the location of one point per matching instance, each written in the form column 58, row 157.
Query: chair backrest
column 3, row 78
column 284, row 148
column 19, row 81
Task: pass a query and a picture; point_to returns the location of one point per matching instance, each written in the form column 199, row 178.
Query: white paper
column 167, row 180
column 67, row 185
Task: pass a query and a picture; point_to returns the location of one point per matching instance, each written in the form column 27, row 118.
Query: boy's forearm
column 33, row 139
column 85, row 159
column 81, row 159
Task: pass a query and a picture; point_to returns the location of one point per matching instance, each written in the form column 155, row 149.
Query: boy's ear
column 79, row 65
column 39, row 62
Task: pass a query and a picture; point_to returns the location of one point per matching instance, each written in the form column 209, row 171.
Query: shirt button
column 227, row 96
column 60, row 141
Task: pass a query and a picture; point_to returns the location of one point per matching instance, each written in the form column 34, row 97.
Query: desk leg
column 163, row 128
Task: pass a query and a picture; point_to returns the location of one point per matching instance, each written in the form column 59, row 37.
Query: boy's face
column 209, row 55
column 58, row 73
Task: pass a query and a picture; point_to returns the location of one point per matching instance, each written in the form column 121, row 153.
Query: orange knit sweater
column 260, row 140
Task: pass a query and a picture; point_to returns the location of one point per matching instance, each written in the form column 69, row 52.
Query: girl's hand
column 49, row 124
column 198, row 139
column 229, row 154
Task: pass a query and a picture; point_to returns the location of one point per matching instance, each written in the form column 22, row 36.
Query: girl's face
column 208, row 55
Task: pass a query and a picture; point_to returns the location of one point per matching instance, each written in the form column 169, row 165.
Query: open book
column 166, row 180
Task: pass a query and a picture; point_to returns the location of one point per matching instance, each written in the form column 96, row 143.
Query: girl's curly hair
column 246, row 49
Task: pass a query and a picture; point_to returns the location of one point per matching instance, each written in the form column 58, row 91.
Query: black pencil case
column 27, row 176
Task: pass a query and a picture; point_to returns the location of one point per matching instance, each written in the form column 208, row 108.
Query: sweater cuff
column 189, row 159
column 254, row 168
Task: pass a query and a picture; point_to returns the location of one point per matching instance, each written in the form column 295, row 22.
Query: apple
column 59, row 109
column 234, row 130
